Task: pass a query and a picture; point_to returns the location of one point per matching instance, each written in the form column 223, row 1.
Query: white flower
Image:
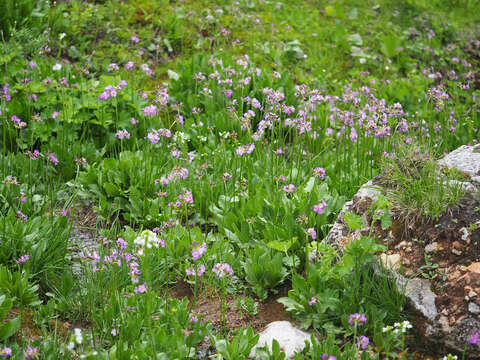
column 57, row 67
column 78, row 335
column 147, row 239
column 61, row 36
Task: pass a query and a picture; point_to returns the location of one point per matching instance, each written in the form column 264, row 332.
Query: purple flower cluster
column 222, row 269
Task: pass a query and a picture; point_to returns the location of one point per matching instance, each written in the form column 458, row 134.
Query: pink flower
column 198, row 250
column 55, row 115
column 140, row 289
column 52, row 157
column 23, row 259
column 290, row 188
column 221, row 269
column 312, row 301
column 320, row 207
column 150, row 110
column 312, row 233
column 474, row 339
column 195, row 272
column 319, row 173
column 135, row 39
column 186, row 197
column 122, row 134
column 31, row 353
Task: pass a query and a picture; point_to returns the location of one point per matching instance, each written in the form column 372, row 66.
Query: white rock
column 430, row 248
column 464, row 159
column 473, row 308
column 391, row 262
column 289, row 338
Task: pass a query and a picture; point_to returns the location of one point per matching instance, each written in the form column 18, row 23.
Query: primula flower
column 23, row 259
column 290, row 188
column 357, row 319
column 312, row 233
column 226, row 176
column 195, row 272
column 122, row 134
column 363, row 342
column 328, row 357
column 320, row 207
column 5, row 352
column 319, row 173
column 31, row 352
column 245, row 149
column 474, row 339
column 198, row 250
column 221, row 269
column 52, row 157
column 140, row 289
column 186, row 196
column 150, row 110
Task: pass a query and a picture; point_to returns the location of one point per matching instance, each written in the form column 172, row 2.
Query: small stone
column 465, row 233
column 401, row 245
column 473, row 308
column 457, row 245
column 456, row 252
column 472, row 294
column 430, row 248
column 474, row 267
column 445, row 312
column 289, row 338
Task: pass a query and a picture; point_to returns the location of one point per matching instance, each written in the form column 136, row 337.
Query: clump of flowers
column 195, row 271
column 221, row 269
column 31, row 352
column 320, row 207
column 23, row 259
column 289, row 189
column 146, row 240
column 198, row 250
column 5, row 352
column 319, row 172
column 474, row 339
column 357, row 319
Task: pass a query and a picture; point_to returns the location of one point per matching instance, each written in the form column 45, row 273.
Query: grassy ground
column 168, row 166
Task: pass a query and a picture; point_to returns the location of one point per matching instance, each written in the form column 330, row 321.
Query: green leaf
column 283, row 246
column 9, row 328
column 353, row 221
column 386, row 221
column 290, row 304
column 309, row 186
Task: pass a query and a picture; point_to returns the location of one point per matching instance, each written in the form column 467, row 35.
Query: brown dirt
column 454, row 267
column 208, row 307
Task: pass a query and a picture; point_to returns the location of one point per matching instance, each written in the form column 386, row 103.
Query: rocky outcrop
column 443, row 323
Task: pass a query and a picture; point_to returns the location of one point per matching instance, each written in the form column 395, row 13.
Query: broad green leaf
column 353, row 221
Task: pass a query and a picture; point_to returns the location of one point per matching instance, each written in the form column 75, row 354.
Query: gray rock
column 465, row 159
column 289, row 338
column 418, row 292
column 430, row 248
column 473, row 308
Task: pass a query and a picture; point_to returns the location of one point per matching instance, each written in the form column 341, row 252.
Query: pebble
column 473, row 308
column 430, row 248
